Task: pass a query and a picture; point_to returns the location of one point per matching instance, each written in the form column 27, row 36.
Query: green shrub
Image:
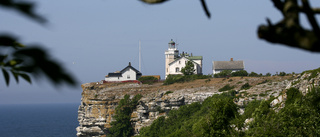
column 225, row 88
column 239, row 82
column 215, row 115
column 148, row 79
column 223, row 74
column 122, row 127
column 282, row 74
column 183, row 78
column 293, row 95
column 268, row 74
column 239, row 73
column 253, row 74
column 210, row 118
column 245, row 86
column 168, row 92
column 313, row 75
column 299, row 117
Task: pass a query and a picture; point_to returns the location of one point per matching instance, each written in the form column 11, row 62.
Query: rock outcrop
column 99, row 101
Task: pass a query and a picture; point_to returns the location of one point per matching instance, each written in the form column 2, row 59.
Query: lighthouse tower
column 171, row 54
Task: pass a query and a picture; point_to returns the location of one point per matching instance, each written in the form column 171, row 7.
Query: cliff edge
column 99, row 101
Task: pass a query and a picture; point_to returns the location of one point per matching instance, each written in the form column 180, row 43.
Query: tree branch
column 310, row 15
column 204, row 6
column 288, row 31
column 314, row 10
column 278, row 4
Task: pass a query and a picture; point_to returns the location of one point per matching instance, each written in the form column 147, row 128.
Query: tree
column 288, row 31
column 188, row 69
column 22, row 61
column 268, row 74
column 122, row 126
column 282, row 73
column 253, row 74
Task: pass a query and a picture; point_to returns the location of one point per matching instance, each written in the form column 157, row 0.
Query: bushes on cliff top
column 217, row 116
column 299, row 117
column 148, row 79
column 239, row 73
column 183, row 78
column 211, row 118
column 122, row 126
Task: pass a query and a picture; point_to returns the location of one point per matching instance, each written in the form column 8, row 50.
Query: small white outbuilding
column 128, row 73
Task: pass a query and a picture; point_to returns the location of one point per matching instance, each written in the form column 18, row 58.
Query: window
column 177, row 69
column 179, row 62
column 128, row 76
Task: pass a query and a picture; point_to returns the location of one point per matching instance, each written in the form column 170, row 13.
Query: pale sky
column 94, row 37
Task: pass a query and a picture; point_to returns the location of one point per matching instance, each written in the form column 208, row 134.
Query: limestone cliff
column 99, row 101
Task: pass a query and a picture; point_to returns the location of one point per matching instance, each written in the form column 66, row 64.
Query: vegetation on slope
column 218, row 116
column 183, row 78
column 122, row 126
column 211, row 118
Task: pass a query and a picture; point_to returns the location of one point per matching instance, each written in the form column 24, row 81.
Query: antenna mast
column 139, row 55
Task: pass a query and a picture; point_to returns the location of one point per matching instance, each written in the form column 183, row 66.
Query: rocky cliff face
column 99, row 101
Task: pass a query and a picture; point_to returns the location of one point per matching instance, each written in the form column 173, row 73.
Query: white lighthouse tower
column 171, row 54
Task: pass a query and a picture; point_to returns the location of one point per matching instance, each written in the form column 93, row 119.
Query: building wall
column 181, row 63
column 128, row 74
column 170, row 55
column 113, row 78
column 199, row 66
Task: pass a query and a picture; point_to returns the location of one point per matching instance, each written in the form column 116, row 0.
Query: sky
column 91, row 38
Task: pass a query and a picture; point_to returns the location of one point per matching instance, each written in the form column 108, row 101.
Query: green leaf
column 26, row 77
column 14, row 62
column 15, row 75
column 6, row 76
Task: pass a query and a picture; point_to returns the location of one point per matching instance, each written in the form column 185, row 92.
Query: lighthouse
column 174, row 62
column 171, row 54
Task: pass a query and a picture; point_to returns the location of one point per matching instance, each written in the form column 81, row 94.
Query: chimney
column 129, row 63
column 231, row 59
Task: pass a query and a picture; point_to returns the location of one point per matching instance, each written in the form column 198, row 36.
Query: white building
column 128, row 73
column 219, row 66
column 175, row 62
